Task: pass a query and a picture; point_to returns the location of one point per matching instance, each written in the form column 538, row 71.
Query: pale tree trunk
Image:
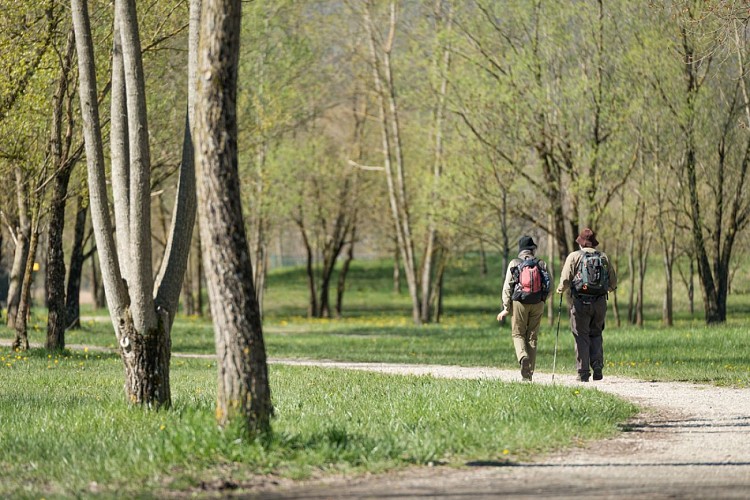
column 260, row 243
column 392, row 153
column 396, row 270
column 142, row 310
column 22, row 236
column 188, row 298
column 244, row 395
column 21, row 340
column 441, row 69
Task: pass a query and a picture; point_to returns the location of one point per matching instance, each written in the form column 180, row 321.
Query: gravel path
column 691, row 441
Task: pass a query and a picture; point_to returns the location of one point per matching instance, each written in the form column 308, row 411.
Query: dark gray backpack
column 592, row 278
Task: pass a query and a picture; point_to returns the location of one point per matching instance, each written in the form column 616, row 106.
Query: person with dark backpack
column 526, row 286
column 589, row 276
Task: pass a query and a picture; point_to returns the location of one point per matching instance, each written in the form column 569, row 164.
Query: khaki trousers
column 524, row 324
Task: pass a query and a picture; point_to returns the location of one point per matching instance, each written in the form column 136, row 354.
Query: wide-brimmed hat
column 526, row 243
column 587, row 238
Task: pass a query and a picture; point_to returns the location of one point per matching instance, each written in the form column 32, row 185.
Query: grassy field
column 66, row 430
column 377, row 327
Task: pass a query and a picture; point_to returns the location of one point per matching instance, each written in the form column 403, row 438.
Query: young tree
column 142, row 308
column 244, row 396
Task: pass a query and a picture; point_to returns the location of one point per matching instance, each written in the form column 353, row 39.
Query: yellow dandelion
column 506, row 451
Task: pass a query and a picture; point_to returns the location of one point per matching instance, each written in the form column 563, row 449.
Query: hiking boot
column 598, row 374
column 525, row 369
column 583, row 377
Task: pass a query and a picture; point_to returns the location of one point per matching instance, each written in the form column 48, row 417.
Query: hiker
column 589, row 277
column 526, row 286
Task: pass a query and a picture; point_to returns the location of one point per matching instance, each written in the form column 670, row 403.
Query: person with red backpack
column 589, row 276
column 526, row 286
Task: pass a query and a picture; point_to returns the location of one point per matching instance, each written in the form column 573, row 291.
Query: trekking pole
column 557, row 336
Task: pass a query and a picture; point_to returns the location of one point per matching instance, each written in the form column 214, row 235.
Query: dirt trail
column 693, row 441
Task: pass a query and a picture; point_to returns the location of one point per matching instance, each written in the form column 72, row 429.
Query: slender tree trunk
column 73, row 292
column 552, row 273
column 392, row 153
column 442, row 68
column 22, row 239
column 631, row 271
column 200, row 278
column 667, row 305
column 188, row 299
column 482, row 260
column 2, row 268
column 397, row 270
column 615, row 302
column 244, row 394
column 21, row 340
column 55, row 266
column 341, row 287
column 312, row 306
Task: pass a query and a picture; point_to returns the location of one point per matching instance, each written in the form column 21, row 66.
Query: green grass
column 377, row 327
column 66, row 430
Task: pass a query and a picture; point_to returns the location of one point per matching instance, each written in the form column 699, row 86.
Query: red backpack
column 531, row 282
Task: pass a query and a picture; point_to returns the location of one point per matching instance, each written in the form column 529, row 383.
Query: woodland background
column 420, row 130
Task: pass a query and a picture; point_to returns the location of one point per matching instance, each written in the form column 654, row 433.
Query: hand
column 502, row 314
column 559, row 289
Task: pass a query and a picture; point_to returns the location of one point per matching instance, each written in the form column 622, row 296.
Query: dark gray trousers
column 587, row 324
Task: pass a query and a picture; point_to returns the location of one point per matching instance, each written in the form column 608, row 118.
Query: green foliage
column 69, row 433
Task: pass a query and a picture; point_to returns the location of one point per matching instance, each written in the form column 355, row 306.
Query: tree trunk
column 244, row 394
column 22, row 238
column 552, row 272
column 188, row 299
column 21, row 340
column 312, row 306
column 631, row 273
column 482, row 260
column 341, row 287
column 200, row 278
column 667, row 316
column 142, row 309
column 392, row 153
column 55, row 266
column 73, row 292
column 396, row 271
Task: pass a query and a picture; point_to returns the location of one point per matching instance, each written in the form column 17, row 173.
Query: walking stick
column 557, row 336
